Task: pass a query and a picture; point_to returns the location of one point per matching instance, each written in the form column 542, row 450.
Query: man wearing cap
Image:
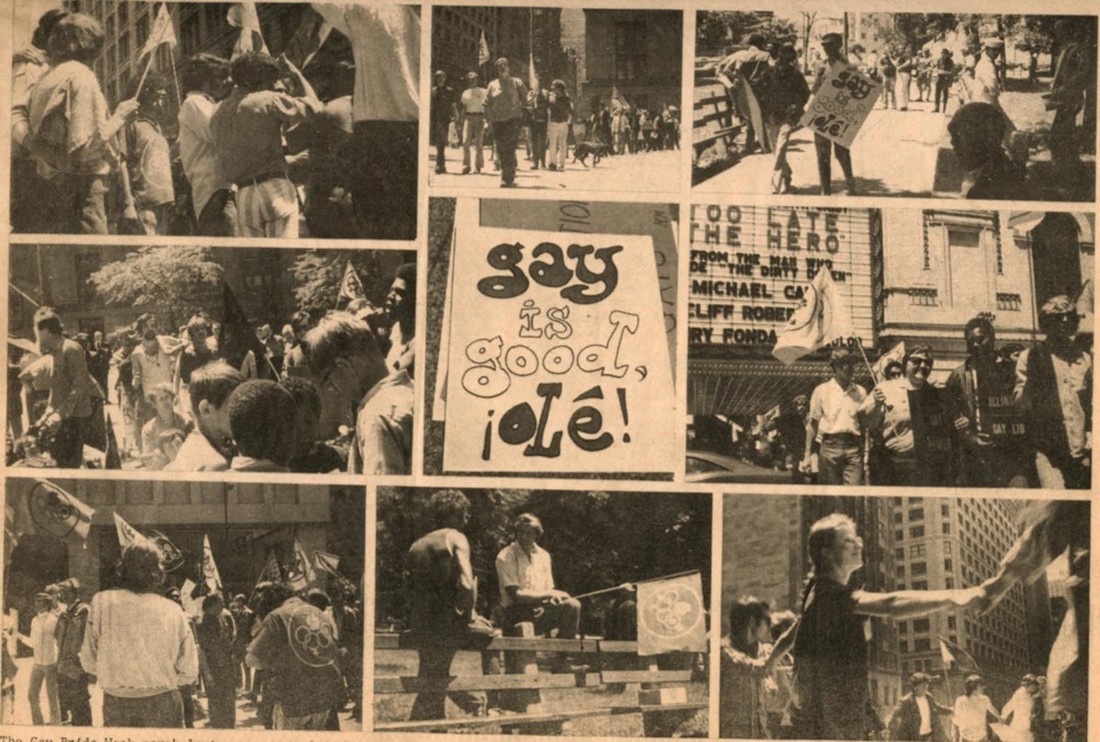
column 43, row 643
column 471, row 122
column 917, row 430
column 835, row 417
column 1054, row 388
column 527, row 591
column 561, row 117
column 1018, row 711
column 443, row 109
column 914, row 718
column 977, row 132
column 991, row 429
column 834, row 59
column 987, row 79
column 504, row 102
column 152, row 367
column 72, row 681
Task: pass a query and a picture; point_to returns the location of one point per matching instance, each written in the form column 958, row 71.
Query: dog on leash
column 583, row 149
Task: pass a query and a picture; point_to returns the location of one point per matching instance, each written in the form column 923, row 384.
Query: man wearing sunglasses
column 1054, row 388
column 917, row 433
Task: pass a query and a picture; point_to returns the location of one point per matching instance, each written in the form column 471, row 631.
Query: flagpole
column 636, row 582
column 862, row 352
column 144, row 74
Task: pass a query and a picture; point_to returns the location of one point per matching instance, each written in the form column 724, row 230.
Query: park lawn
column 396, row 707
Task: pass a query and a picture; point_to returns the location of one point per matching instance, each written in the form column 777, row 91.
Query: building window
column 922, row 297
column 899, row 553
column 918, row 568
column 949, row 583
column 903, row 627
column 945, row 510
column 916, row 532
column 899, row 571
column 899, row 535
column 922, row 624
column 630, row 50
column 903, row 646
column 1009, row 302
column 917, row 550
column 920, row 585
column 948, row 565
column 957, row 237
column 123, row 13
column 951, row 623
column 946, row 527
column 916, row 514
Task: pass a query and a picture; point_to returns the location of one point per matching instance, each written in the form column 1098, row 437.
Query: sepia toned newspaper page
column 592, row 369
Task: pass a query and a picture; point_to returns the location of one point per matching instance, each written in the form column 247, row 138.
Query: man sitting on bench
column 442, row 593
column 527, row 591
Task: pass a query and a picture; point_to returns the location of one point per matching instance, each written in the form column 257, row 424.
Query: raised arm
column 911, row 603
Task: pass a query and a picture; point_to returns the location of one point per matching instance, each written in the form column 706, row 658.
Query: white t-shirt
column 970, row 716
column 516, row 568
column 197, row 150
column 43, row 642
column 837, row 410
column 473, row 100
column 925, row 715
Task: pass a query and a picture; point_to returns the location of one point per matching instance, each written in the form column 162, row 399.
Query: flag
column 271, row 571
column 671, row 616
column 112, row 457
column 483, row 55
column 532, row 76
column 43, row 508
column 823, row 317
column 127, row 534
column 162, row 32
column 210, row 576
column 894, row 354
column 237, row 334
column 945, row 654
column 171, row 556
column 351, row 287
column 244, row 16
column 313, row 30
column 327, row 563
column 189, row 593
column 299, row 570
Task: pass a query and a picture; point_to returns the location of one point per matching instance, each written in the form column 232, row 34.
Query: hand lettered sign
column 840, row 106
column 557, row 360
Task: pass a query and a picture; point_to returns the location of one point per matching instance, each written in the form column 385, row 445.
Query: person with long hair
column 139, row 645
column 830, row 651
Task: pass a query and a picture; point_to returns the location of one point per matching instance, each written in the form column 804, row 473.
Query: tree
column 318, row 274
column 176, row 279
column 715, row 30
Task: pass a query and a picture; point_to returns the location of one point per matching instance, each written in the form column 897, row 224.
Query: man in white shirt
column 152, row 367
column 44, row 645
column 471, row 123
column 972, row 711
column 139, row 646
column 835, row 417
column 344, row 358
column 1017, row 712
column 205, row 80
column 527, row 592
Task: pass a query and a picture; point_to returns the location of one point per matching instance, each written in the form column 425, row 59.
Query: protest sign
column 555, row 354
column 840, row 106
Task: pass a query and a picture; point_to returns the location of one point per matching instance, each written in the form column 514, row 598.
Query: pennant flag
column 237, row 334
column 112, row 458
column 189, row 593
column 532, row 76
column 823, row 317
column 483, row 55
column 127, row 534
column 299, row 570
column 894, row 354
column 351, row 287
column 271, row 571
column 312, row 32
column 671, row 616
column 162, row 32
column 244, row 16
column 44, row 509
column 326, row 562
column 210, row 576
column 171, row 556
column 945, row 654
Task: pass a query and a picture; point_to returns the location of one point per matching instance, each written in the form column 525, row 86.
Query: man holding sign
column 837, row 84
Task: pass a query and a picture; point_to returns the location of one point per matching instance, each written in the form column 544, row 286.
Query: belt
column 841, row 437
column 261, row 178
column 475, row 113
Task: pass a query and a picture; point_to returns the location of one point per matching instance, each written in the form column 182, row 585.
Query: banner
column 895, row 354
column 171, row 556
column 671, row 616
column 482, row 51
column 162, row 32
column 351, row 287
column 271, row 571
column 299, row 570
column 564, row 369
column 46, row 509
column 244, row 16
column 823, row 317
column 840, row 106
column 210, row 576
column 326, row 562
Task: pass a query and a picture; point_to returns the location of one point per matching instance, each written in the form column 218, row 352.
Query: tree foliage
column 318, row 274
column 597, row 539
column 715, row 30
column 176, row 279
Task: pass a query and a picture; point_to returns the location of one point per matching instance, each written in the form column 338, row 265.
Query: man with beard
column 990, row 427
column 1054, row 388
column 917, row 430
column 401, row 310
column 72, row 681
column 346, row 362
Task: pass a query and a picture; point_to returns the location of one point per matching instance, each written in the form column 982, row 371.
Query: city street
column 246, row 710
column 643, row 171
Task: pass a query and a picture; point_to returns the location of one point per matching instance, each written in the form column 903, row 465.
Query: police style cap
column 1059, row 304
column 841, row 355
column 831, row 37
column 993, row 43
